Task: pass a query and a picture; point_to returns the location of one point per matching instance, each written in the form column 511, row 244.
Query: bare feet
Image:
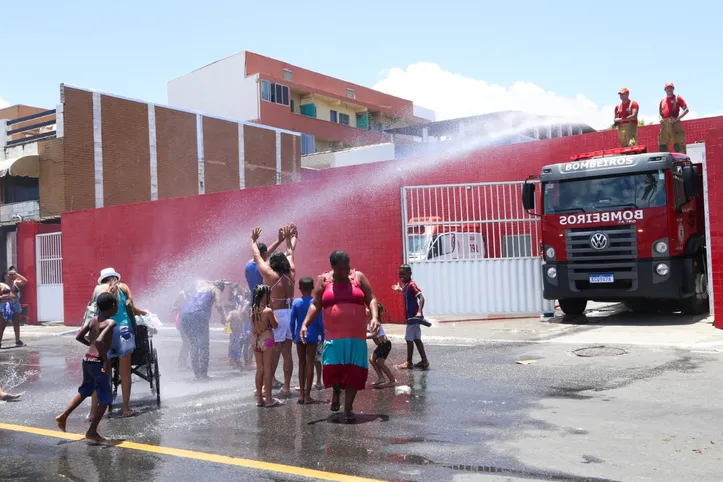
column 129, row 413
column 405, row 366
column 309, row 401
column 274, row 402
column 8, row 396
column 61, row 420
column 301, row 399
column 94, row 437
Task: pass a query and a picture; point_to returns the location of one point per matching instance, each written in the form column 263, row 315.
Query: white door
column 49, row 267
column 504, row 279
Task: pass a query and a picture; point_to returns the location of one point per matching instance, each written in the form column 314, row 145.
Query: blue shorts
column 124, row 342
column 94, row 380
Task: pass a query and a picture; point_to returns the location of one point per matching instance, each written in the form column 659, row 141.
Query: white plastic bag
column 151, row 321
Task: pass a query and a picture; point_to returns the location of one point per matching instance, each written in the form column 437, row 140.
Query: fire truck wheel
column 573, row 307
column 698, row 303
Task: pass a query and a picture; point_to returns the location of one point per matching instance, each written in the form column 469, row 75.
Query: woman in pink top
column 344, row 294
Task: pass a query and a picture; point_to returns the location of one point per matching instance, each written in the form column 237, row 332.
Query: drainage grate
column 592, row 351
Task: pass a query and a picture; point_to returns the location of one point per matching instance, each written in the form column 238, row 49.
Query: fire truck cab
column 623, row 225
column 432, row 238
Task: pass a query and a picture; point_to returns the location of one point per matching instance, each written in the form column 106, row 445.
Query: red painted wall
column 157, row 245
column 27, row 263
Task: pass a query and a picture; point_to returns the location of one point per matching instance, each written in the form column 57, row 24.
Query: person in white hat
column 124, row 341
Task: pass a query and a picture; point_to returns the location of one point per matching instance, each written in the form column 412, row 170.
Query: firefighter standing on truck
column 671, row 129
column 626, row 119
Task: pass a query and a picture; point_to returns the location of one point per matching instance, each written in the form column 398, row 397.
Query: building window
column 287, row 74
column 308, row 144
column 350, row 93
column 276, row 93
column 344, row 119
column 332, row 116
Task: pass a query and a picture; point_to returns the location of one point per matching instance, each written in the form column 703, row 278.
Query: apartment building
column 330, row 113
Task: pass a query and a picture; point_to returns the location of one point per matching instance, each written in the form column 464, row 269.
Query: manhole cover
column 599, row 351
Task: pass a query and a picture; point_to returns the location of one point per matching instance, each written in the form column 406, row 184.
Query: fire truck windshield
column 417, row 245
column 644, row 190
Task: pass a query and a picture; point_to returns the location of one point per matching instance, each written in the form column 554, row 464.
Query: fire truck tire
column 573, row 307
column 698, row 303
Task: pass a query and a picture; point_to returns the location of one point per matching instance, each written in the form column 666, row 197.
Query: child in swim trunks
column 414, row 308
column 381, row 352
column 264, row 322
column 96, row 365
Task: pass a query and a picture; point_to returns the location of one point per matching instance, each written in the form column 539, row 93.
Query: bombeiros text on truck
column 622, row 225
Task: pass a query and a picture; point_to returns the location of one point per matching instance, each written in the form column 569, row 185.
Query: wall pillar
column 27, row 267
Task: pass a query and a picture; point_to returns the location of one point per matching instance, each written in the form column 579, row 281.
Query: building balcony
column 17, row 212
column 281, row 116
column 35, row 127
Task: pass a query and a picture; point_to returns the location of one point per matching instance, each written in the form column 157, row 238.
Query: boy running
column 96, row 365
column 414, row 308
column 379, row 357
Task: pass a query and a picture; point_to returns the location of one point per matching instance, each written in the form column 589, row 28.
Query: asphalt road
column 648, row 413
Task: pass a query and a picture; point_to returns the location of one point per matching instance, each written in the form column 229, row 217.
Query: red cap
column 624, row 90
column 670, row 84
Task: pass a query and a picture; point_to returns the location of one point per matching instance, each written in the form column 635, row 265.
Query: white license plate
column 601, row 278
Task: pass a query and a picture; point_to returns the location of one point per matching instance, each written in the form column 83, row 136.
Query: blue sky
column 565, row 48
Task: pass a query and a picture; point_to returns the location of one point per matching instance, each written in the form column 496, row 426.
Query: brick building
column 98, row 150
column 330, row 113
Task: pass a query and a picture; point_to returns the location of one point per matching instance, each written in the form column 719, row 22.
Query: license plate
column 601, row 278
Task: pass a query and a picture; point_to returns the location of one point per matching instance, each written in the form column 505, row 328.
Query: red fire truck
column 623, row 225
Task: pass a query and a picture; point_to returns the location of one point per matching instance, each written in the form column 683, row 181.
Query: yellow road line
column 206, row 457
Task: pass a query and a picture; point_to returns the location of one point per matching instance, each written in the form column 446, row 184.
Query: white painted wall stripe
column 241, row 158
column 98, row 150
column 59, row 121
column 199, row 144
column 278, row 157
column 153, row 151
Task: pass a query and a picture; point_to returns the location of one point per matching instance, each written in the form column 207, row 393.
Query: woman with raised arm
column 344, row 295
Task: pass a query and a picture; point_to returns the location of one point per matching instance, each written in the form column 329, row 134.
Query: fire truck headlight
column 550, row 252
column 552, row 272
column 662, row 269
column 661, row 247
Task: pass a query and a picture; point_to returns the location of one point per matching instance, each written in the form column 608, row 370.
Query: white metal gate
column 49, row 267
column 473, row 249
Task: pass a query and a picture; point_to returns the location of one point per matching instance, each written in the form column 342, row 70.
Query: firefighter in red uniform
column 671, row 129
column 626, row 119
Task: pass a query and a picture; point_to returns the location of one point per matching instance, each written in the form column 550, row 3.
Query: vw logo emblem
column 599, row 241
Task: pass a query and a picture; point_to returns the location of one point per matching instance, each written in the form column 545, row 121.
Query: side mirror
column 691, row 182
column 528, row 196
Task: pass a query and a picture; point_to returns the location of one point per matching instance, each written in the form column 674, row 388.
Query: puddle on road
column 411, row 459
column 338, row 418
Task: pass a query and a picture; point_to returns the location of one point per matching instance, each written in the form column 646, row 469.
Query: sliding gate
column 473, row 249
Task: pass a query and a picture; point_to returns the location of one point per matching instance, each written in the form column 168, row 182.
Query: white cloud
column 448, row 94
column 3, row 103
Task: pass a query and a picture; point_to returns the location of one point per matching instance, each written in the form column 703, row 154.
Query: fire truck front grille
column 618, row 258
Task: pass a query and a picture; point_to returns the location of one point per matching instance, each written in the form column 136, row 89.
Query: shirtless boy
column 96, row 365
column 279, row 272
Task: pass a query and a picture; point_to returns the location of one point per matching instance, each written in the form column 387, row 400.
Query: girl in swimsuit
column 264, row 322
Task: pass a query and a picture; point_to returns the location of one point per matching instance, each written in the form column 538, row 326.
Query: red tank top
column 344, row 308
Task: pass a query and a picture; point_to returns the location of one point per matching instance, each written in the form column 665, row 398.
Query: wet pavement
column 616, row 412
